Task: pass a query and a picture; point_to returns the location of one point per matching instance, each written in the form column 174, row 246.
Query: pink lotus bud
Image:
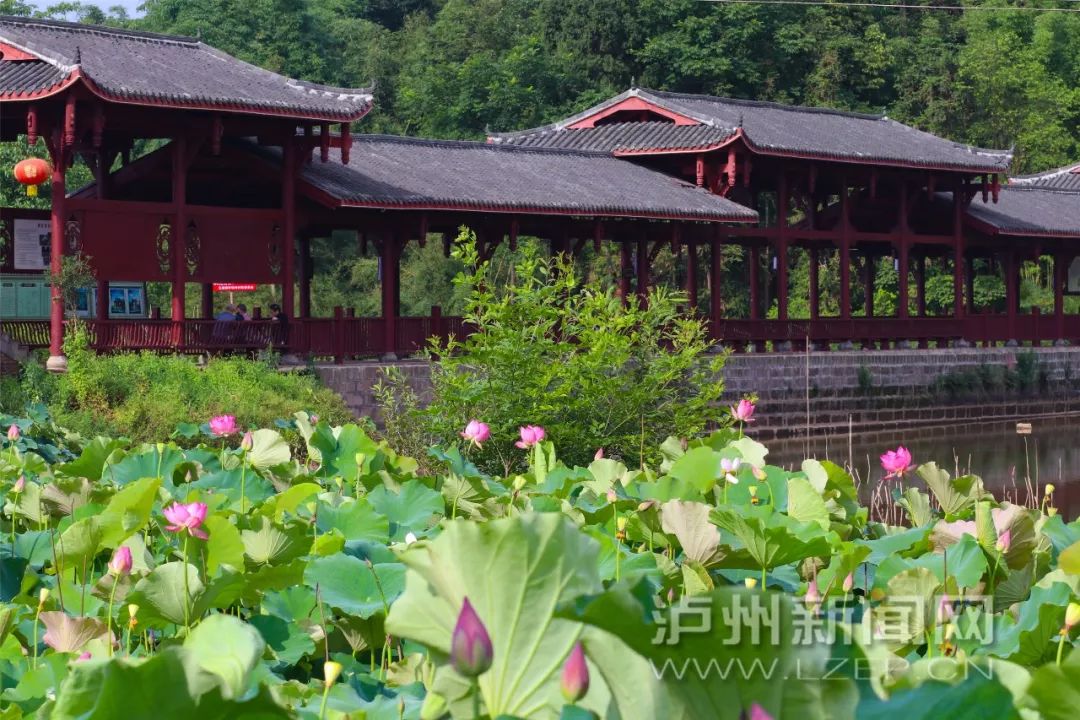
column 744, row 411
column 223, row 425
column 13, row 432
column 599, row 454
column 849, row 582
column 247, row 442
column 612, row 496
column 575, row 675
column 759, row 473
column 1004, row 541
column 85, row 656
column 896, row 462
column 945, row 610
column 530, row 436
column 476, row 432
column 120, row 564
column 813, row 595
column 1072, row 615
column 19, row 485
column 470, row 647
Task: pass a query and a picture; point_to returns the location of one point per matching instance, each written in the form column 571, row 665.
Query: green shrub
column 553, row 350
column 145, row 396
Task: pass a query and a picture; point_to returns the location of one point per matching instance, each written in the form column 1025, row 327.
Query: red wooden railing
column 344, row 336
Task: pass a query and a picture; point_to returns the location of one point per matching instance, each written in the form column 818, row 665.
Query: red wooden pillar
column 692, row 276
column 755, row 282
column 845, row 251
column 1012, row 294
column 179, row 234
column 288, row 241
column 815, row 285
column 869, row 275
column 903, row 267
column 642, row 268
column 782, row 202
column 305, row 277
column 389, row 260
column 208, row 301
column 716, row 298
column 626, row 269
column 920, row 286
column 1060, row 267
column 969, row 281
column 57, row 362
column 958, row 255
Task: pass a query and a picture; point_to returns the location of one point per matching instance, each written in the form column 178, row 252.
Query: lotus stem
column 108, row 618
column 187, row 590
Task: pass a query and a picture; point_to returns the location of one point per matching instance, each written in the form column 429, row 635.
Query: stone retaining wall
column 896, row 392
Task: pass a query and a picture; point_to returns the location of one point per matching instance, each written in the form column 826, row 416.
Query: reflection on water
column 993, row 451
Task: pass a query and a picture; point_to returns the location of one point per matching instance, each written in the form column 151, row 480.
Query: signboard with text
column 234, row 287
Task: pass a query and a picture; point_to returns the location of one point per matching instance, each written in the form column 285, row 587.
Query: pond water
column 994, row 451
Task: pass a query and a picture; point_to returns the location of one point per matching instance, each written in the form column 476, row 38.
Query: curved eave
column 991, row 229
column 40, row 93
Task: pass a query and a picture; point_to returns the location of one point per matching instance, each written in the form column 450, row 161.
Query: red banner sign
column 234, row 287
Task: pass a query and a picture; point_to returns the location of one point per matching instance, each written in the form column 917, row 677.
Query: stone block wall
column 900, row 394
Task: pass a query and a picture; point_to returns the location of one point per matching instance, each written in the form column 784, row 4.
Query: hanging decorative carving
column 192, row 248
column 163, row 245
column 275, row 250
column 73, row 234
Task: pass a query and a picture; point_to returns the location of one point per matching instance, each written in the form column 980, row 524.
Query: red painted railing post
column 338, row 332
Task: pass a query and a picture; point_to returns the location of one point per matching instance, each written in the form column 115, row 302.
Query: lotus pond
column 309, row 571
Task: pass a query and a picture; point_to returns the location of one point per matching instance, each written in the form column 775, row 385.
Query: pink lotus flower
column 758, row 713
column 599, row 454
column 476, row 432
column 186, row 518
column 223, row 425
column 730, row 466
column 19, row 485
column 575, row 675
column 84, row 657
column 120, row 564
column 13, row 432
column 945, row 610
column 813, row 595
column 247, row 442
column 1004, row 541
column 744, row 411
column 896, row 462
column 470, row 647
column 849, row 582
column 530, row 435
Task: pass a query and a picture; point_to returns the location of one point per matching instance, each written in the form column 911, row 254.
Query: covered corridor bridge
column 248, row 166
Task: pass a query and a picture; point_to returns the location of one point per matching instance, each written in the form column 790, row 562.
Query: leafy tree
column 553, row 350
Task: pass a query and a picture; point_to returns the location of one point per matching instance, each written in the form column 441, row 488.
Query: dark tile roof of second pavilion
column 769, row 128
column 411, row 173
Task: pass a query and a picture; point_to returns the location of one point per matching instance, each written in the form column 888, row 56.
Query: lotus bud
column 43, row 597
column 410, row 538
column 359, row 458
column 750, row 582
column 759, row 473
column 331, row 672
column 1049, row 489
column 849, row 582
column 813, row 595
column 519, row 482
column 575, row 675
column 1072, row 615
column 647, row 505
column 612, row 496
column 599, row 454
column 82, row 658
column 247, row 442
column 1052, row 511
column 19, row 485
column 133, row 611
column 758, row 713
column 470, row 646
column 1004, row 541
column 121, row 562
column 13, row 432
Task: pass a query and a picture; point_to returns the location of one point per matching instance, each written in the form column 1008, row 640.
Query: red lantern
column 31, row 173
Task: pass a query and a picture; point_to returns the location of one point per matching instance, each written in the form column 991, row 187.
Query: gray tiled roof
column 772, row 128
column 1030, row 211
column 132, row 66
column 28, row 76
column 397, row 172
column 1066, row 178
column 626, row 137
